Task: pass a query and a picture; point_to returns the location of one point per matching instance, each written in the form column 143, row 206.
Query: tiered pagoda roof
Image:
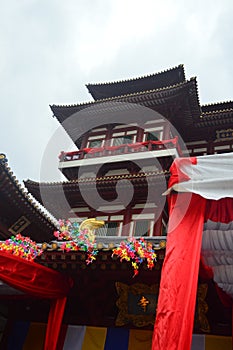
column 19, row 211
column 217, row 114
column 168, row 93
column 166, row 78
column 178, row 103
column 105, row 185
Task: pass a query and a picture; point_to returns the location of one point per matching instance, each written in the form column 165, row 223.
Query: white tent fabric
column 217, row 251
column 211, row 177
column 208, row 183
column 212, row 225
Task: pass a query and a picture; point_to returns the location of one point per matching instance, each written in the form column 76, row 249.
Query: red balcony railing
column 120, row 149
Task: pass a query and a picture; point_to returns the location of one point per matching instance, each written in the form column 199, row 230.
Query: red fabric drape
column 32, row 278
column 219, row 210
column 54, row 323
column 62, row 337
column 178, row 286
column 39, row 281
column 175, row 313
column 177, row 174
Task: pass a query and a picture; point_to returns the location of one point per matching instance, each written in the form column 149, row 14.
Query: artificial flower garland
column 22, row 247
column 136, row 251
column 132, row 250
column 77, row 239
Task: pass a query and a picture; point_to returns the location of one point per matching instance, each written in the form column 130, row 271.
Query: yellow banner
column 94, row 338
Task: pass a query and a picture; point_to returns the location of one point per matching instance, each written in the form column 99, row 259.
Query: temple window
column 95, row 141
column 153, row 134
column 124, row 137
column 141, row 228
column 113, row 226
column 109, row 229
column 142, row 225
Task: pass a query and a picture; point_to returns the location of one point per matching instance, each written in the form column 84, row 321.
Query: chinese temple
column 137, row 141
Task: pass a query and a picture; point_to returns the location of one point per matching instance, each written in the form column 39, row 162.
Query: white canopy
column 210, row 176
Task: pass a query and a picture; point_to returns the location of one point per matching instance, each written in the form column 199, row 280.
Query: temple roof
column 217, row 115
column 149, row 98
column 178, row 103
column 169, row 77
column 220, row 106
column 62, row 196
column 19, row 211
column 167, row 93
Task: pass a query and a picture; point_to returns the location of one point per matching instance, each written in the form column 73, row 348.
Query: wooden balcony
column 115, row 157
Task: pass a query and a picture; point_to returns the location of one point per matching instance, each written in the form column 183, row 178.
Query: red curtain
column 219, row 210
column 39, row 281
column 54, row 323
column 178, row 286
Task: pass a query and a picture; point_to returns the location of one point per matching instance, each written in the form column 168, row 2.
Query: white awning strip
column 217, row 252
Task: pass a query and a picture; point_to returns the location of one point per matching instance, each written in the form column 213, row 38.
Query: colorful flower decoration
column 22, row 247
column 81, row 237
column 77, row 239
column 136, row 251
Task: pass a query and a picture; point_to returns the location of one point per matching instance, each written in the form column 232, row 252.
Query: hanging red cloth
column 32, row 278
column 39, row 281
column 54, row 323
column 209, row 181
column 219, row 210
column 178, row 286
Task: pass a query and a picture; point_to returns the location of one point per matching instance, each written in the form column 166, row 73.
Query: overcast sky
column 51, row 48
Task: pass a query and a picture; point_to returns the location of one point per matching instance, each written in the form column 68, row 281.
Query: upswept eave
column 105, row 183
column 61, row 112
column 215, row 107
column 164, row 78
column 24, row 204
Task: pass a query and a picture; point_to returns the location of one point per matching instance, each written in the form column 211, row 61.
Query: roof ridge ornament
column 3, row 158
